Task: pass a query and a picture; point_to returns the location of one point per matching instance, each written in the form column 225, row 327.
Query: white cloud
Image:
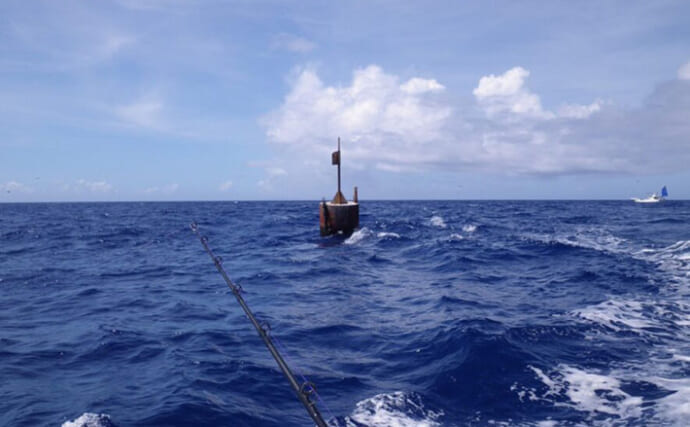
column 397, row 127
column 575, row 111
column 507, row 84
column 417, row 86
column 293, row 43
column 507, row 97
column 373, row 113
column 225, row 186
column 684, row 72
column 15, row 187
column 507, row 93
column 94, row 186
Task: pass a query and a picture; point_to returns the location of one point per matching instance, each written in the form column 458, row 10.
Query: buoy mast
column 338, row 216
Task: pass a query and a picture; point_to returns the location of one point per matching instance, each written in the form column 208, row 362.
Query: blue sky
column 244, row 100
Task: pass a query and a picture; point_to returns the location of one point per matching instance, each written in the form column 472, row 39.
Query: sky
column 134, row 100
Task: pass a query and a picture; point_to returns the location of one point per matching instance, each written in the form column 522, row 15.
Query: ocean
column 434, row 313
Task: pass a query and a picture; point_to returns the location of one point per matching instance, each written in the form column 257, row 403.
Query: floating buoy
column 339, row 216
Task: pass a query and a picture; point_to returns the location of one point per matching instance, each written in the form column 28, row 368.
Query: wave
column 469, row 228
column 365, row 233
column 438, row 221
column 387, row 235
column 433, row 314
column 597, row 239
column 399, row 409
column 617, row 315
column 455, row 237
column 614, row 398
column 599, row 396
column 89, row 419
column 661, row 369
column 358, row 236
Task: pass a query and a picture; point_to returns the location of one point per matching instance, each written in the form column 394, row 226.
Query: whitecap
column 397, row 409
column 388, row 234
column 438, row 221
column 593, row 393
column 673, row 259
column 358, row 236
column 586, row 238
column 455, row 237
column 617, row 315
column 676, row 406
column 89, row 419
column 469, row 228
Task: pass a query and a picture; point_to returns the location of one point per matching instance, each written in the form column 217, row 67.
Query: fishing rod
column 302, row 391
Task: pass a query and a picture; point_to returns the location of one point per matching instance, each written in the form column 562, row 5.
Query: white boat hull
column 649, row 200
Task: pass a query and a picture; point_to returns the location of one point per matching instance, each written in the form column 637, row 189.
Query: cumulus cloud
column 508, row 93
column 225, row 186
column 399, row 126
column 417, row 86
column 374, row 112
column 575, row 111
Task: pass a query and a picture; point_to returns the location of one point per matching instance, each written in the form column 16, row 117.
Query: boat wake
column 651, row 387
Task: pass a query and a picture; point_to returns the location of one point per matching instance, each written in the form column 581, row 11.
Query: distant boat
column 654, row 198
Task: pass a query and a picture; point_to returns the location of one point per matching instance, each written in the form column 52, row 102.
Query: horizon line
column 318, row 201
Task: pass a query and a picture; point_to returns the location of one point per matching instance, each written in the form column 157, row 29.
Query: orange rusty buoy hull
column 335, row 218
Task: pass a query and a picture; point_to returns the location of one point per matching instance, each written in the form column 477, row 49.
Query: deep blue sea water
column 435, row 313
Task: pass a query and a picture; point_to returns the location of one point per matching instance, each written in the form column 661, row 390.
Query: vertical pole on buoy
column 339, row 199
column 339, row 167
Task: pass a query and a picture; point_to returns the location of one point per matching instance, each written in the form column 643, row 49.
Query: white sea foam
column 617, row 315
column 593, row 393
column 469, row 228
column 398, row 409
column 455, row 237
column 438, row 221
column 89, row 419
column 676, row 406
column 594, row 238
column 681, row 357
column 664, row 318
column 388, row 235
column 358, row 236
column 673, row 259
